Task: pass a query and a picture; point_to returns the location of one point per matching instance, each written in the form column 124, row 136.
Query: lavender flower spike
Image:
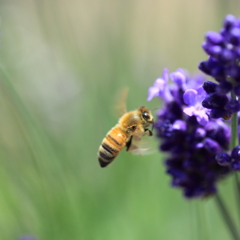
column 193, row 98
column 223, row 48
column 190, row 138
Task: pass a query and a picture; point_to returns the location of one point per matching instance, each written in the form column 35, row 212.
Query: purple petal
column 165, row 75
column 212, row 50
column 152, row 92
column 179, row 125
column 202, row 118
column 214, row 38
column 200, row 133
column 201, row 94
column 190, row 97
column 212, row 146
column 223, row 159
column 160, row 89
column 189, row 111
column 227, row 55
column 229, row 21
column 160, row 84
column 178, row 77
column 235, row 36
column 156, row 89
column 200, row 91
column 201, row 115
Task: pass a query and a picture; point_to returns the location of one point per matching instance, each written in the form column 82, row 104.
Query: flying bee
column 131, row 127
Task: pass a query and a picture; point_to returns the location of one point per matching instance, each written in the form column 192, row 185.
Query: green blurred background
column 61, row 65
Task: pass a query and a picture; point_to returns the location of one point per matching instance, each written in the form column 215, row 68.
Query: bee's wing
column 120, row 107
column 142, row 144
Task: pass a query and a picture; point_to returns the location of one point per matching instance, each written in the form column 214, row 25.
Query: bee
column 131, row 127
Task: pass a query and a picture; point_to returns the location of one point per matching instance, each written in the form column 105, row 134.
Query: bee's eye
column 134, row 128
column 145, row 115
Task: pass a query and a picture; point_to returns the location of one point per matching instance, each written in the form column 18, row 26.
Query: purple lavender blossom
column 160, row 88
column 232, row 160
column 223, row 49
column 193, row 98
column 189, row 136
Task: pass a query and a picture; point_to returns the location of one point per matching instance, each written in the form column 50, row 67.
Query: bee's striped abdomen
column 106, row 153
column 111, row 145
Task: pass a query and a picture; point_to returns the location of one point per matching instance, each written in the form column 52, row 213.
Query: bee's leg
column 148, row 132
column 128, row 144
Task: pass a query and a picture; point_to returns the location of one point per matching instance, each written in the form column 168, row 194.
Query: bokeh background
column 61, row 65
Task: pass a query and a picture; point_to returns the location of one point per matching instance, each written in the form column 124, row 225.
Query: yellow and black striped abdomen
column 111, row 145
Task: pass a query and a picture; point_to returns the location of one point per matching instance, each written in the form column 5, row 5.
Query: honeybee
column 131, row 127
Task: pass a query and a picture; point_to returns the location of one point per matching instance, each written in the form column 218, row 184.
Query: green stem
column 226, row 217
column 237, row 186
column 234, row 127
column 237, row 182
column 234, row 143
column 234, row 131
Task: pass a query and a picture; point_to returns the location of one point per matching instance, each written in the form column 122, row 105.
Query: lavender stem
column 227, row 218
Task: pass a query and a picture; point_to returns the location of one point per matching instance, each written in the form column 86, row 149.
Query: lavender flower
column 190, row 138
column 223, row 49
column 231, row 160
column 193, row 98
column 197, row 141
column 160, row 88
column 223, row 65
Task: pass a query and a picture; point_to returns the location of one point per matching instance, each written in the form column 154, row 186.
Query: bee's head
column 146, row 115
